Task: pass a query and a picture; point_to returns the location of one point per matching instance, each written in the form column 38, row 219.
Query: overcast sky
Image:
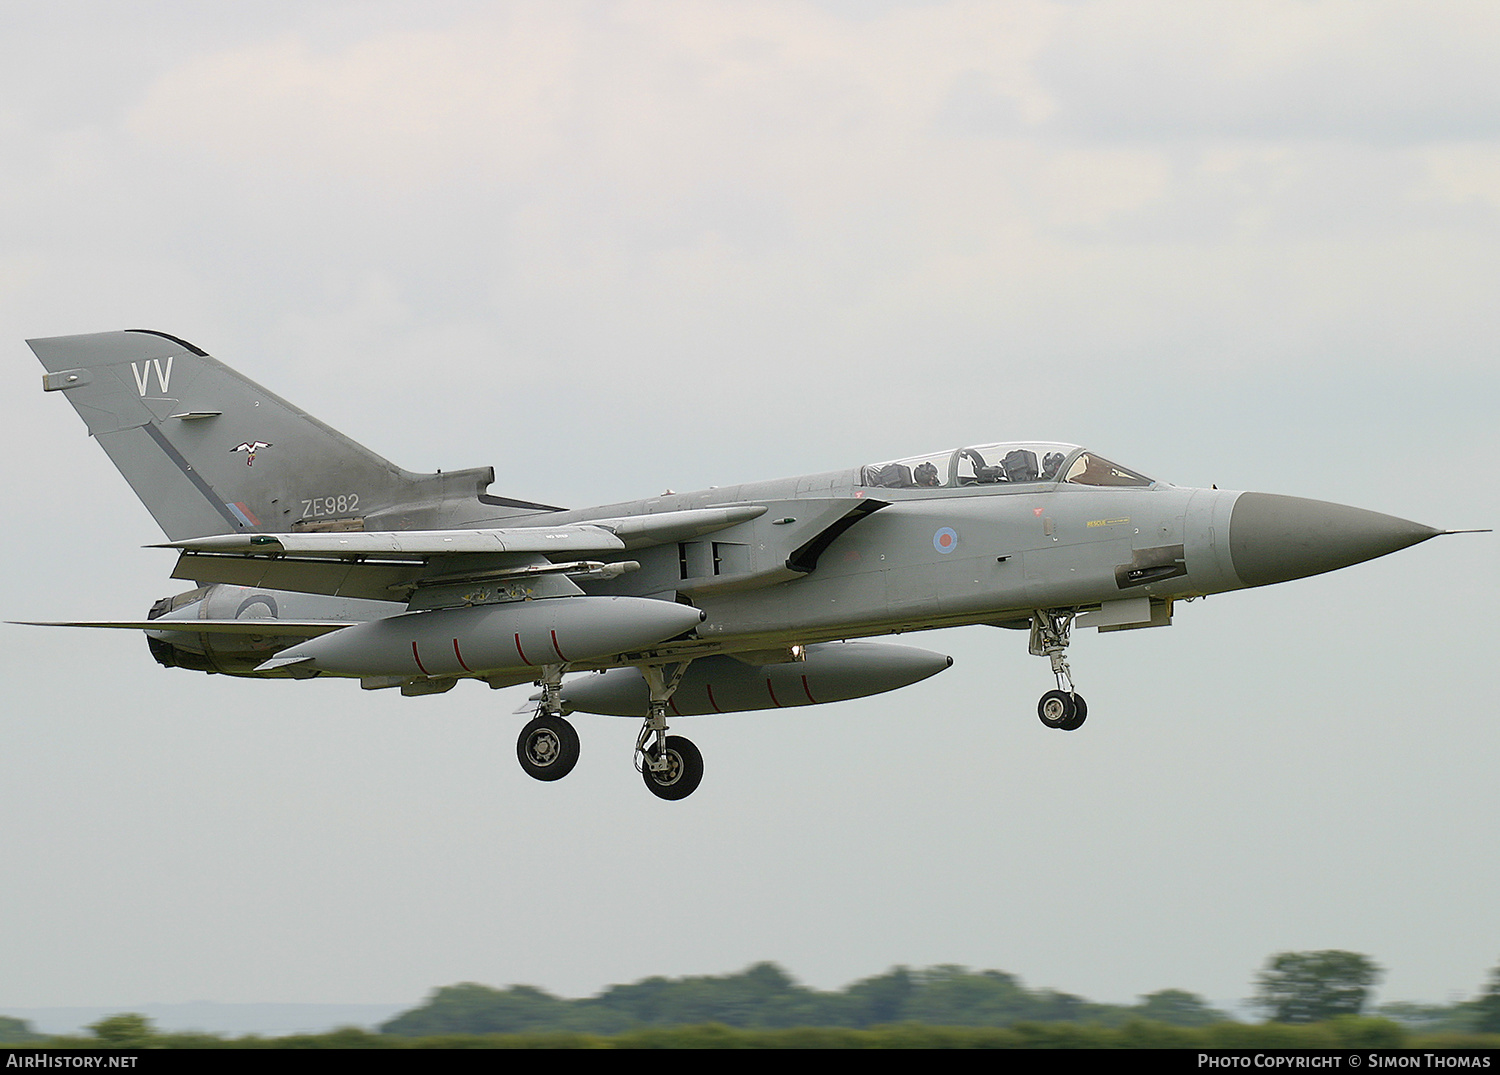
column 612, row 248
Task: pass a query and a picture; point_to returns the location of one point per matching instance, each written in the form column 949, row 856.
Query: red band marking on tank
column 711, row 700
column 808, row 691
column 417, row 658
column 772, row 692
column 460, row 657
column 522, row 652
column 554, row 646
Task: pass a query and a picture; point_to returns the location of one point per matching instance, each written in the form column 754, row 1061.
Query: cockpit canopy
column 1007, row 463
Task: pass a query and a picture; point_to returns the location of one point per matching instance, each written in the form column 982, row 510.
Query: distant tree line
column 1326, row 992
column 15, row 1031
column 1346, row 1033
column 1292, row 988
column 765, row 997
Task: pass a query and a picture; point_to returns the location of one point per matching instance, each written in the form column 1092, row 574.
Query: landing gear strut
column 548, row 745
column 671, row 765
column 1063, row 708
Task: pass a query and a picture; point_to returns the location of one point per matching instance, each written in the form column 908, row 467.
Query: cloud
column 959, row 193
column 1380, row 72
column 399, row 108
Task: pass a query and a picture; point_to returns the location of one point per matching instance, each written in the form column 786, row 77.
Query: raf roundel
column 945, row 540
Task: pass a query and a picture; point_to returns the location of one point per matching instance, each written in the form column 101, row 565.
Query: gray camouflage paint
column 770, row 564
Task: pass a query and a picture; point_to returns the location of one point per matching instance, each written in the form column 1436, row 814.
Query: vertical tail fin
column 210, row 452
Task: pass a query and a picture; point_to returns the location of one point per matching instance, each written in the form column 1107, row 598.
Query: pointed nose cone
column 1275, row 538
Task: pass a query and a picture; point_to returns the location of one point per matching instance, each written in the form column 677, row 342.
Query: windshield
column 1091, row 469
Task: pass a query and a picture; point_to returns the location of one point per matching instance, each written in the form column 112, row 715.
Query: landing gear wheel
column 548, row 748
column 683, row 774
column 1056, row 709
column 1080, row 714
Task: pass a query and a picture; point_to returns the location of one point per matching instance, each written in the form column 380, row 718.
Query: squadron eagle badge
column 250, row 447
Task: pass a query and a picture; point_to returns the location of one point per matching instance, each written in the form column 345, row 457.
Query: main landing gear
column 671, row 765
column 1063, row 708
column 548, row 746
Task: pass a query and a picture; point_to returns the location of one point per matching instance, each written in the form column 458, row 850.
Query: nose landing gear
column 1063, row 708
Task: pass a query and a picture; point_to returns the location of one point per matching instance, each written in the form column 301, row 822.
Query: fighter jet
column 323, row 559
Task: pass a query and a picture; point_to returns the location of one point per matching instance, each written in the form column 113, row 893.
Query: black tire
column 1055, row 709
column 1080, row 714
column 685, row 774
column 547, row 748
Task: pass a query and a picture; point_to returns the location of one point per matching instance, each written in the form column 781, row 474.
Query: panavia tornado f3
column 312, row 556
